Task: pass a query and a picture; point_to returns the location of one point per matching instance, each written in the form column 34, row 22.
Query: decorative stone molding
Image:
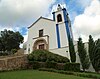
column 39, row 42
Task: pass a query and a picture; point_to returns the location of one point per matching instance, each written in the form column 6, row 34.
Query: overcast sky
column 17, row 15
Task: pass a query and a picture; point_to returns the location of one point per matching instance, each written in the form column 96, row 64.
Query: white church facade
column 51, row 35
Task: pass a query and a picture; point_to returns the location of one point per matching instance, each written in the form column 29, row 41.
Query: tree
column 91, row 47
column 83, row 55
column 72, row 51
column 94, row 53
column 96, row 56
column 1, row 44
column 10, row 40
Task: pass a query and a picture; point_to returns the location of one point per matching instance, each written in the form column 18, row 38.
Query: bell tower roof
column 59, row 7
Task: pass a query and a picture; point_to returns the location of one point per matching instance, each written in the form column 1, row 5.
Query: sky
column 17, row 15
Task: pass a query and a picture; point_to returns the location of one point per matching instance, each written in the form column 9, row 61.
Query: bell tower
column 63, row 26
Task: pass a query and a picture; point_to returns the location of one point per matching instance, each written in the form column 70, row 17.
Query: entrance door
column 41, row 46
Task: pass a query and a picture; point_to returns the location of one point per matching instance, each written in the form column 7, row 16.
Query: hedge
column 45, row 59
column 70, row 73
column 51, row 64
column 72, row 67
column 45, row 56
column 54, row 65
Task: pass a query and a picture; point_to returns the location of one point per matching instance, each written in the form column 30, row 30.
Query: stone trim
column 41, row 37
column 40, row 41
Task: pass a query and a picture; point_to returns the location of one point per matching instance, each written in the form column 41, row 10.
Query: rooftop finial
column 59, row 7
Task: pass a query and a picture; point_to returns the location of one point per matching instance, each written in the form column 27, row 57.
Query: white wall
column 49, row 28
column 64, row 51
column 63, row 35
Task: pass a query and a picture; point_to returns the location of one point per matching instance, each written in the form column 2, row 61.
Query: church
column 51, row 34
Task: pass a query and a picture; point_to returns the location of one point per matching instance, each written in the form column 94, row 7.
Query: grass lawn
column 35, row 74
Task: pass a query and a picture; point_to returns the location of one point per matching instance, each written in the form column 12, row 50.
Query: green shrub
column 44, row 55
column 14, row 51
column 46, row 59
column 72, row 67
column 42, row 64
column 54, row 65
column 70, row 73
column 35, row 65
column 60, row 66
column 30, row 57
column 51, row 64
column 3, row 53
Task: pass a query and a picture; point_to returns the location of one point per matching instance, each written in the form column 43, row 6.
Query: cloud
column 17, row 15
column 88, row 22
column 22, row 12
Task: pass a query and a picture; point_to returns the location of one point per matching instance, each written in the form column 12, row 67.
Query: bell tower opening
column 59, row 18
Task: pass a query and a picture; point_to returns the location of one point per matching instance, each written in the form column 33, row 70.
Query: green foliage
column 38, row 57
column 2, row 47
column 35, row 65
column 80, row 74
column 60, row 66
column 3, row 53
column 72, row 51
column 94, row 53
column 57, row 66
column 43, row 56
column 72, row 67
column 31, row 57
column 10, row 40
column 51, row 64
column 83, row 55
column 91, row 47
column 96, row 56
column 14, row 51
column 86, row 62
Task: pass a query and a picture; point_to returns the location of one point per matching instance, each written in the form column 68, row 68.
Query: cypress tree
column 91, row 48
column 96, row 56
column 72, row 51
column 83, row 55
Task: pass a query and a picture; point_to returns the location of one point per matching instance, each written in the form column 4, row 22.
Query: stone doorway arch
column 40, row 44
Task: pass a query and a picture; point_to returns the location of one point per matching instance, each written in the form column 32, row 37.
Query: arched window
column 59, row 18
